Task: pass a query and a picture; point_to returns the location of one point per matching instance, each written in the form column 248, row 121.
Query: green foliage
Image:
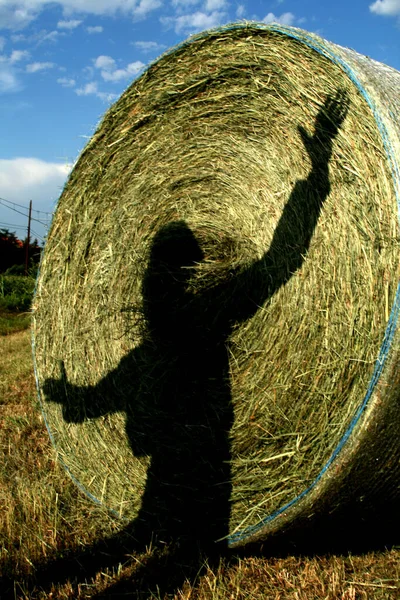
column 16, row 292
column 16, row 270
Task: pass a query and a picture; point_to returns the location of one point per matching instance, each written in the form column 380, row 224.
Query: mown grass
column 12, row 322
column 54, row 543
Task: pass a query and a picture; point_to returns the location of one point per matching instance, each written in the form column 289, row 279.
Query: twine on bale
column 219, row 287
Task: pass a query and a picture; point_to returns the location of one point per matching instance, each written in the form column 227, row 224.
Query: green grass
column 12, row 322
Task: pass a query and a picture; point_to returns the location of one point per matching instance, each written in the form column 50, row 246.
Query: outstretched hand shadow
column 175, row 388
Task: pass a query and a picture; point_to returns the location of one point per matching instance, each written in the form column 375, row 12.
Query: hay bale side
column 260, row 164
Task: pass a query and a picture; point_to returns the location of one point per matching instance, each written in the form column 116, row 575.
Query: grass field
column 55, row 543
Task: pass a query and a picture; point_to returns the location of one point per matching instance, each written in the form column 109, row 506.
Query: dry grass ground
column 53, row 540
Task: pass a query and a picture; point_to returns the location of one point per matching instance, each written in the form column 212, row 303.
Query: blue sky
column 62, row 63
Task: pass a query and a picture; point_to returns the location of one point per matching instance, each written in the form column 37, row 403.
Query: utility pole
column 28, row 239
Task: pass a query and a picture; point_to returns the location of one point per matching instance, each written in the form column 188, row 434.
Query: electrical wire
column 22, row 206
column 46, row 224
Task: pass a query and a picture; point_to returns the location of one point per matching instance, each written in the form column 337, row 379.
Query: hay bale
column 218, row 299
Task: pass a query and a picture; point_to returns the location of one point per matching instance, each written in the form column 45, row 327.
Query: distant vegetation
column 13, row 252
column 16, row 286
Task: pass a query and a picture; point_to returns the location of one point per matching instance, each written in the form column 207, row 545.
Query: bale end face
column 217, row 286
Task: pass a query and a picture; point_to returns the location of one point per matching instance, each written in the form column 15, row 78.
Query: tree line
column 13, row 253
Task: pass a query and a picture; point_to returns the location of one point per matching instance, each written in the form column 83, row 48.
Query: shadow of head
column 174, row 254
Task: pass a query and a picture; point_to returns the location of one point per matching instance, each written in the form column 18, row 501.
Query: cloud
column 388, row 8
column 22, row 179
column 17, row 14
column 66, row 82
column 240, row 11
column 109, row 71
column 18, row 37
column 184, row 3
column 212, row 5
column 104, row 62
column 97, row 7
column 146, row 6
column 2, row 43
column 91, row 89
column 18, row 55
column 88, row 89
column 8, row 80
column 286, row 18
column 48, row 36
column 148, row 46
column 39, row 37
column 95, row 29
column 71, row 24
column 39, row 66
column 194, row 22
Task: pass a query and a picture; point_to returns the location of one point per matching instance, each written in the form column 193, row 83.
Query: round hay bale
column 215, row 321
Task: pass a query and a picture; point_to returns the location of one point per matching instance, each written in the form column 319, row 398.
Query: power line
column 39, row 237
column 25, row 207
column 46, row 224
column 13, row 225
column 21, row 228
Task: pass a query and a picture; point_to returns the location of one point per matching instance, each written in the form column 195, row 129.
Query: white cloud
column 38, row 38
column 91, row 89
column 95, row 29
column 389, row 8
column 110, row 72
column 31, row 178
column 66, row 82
column 146, row 6
column 18, row 37
column 88, row 89
column 48, row 36
column 194, row 22
column 71, row 24
column 240, row 11
column 148, row 46
column 17, row 14
column 286, row 18
column 120, row 74
column 104, row 62
column 97, row 7
column 39, row 66
column 212, row 5
column 18, row 55
column 184, row 3
column 8, row 80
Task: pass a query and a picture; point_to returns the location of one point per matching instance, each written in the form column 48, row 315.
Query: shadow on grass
column 175, row 392
column 160, row 572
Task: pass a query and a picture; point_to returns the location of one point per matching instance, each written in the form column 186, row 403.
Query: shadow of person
column 175, row 388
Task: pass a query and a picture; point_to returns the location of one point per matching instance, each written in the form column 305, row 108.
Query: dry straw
column 259, row 166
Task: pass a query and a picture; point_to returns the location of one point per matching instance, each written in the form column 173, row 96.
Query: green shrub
column 16, row 292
